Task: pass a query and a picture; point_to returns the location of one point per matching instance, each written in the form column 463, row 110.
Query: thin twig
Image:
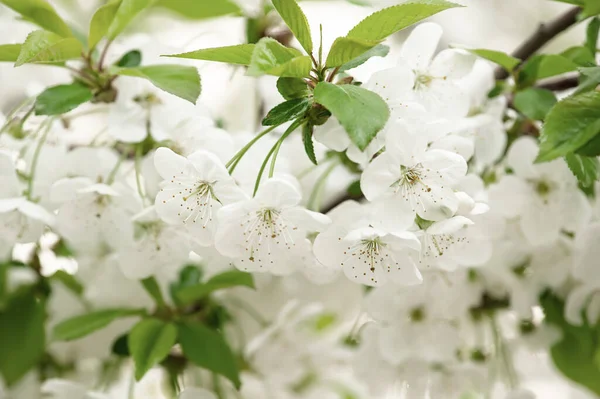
column 561, row 84
column 542, row 36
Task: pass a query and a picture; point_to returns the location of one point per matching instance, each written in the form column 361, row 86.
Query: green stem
column 249, row 310
column 113, row 173
column 314, row 201
column 232, row 163
column 502, row 352
column 138, row 182
column 36, row 155
column 292, row 127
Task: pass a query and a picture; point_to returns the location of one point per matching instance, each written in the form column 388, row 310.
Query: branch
column 561, row 84
column 541, row 36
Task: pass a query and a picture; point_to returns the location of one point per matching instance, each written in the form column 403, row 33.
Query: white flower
column 267, row 232
column 544, row 196
column 193, row 190
column 63, row 389
column 367, row 254
column 412, row 179
column 157, row 246
column 424, row 78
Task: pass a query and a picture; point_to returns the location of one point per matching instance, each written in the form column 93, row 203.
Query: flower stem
column 232, row 163
column 138, row 182
column 503, row 354
column 292, row 127
column 314, row 201
column 45, row 126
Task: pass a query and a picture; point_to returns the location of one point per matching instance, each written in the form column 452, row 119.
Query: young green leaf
column 201, row 9
column 580, row 55
column 126, row 12
column 130, row 59
column 41, row 13
column 101, row 21
column 590, row 8
column 229, row 279
column 287, row 111
column 181, row 81
column 61, row 99
column 361, row 112
column 272, row 58
column 307, row 139
column 506, row 61
column 9, row 52
column 208, row 349
column 291, row 88
column 292, row 15
column 83, row 325
column 22, row 335
column 382, row 24
column 380, row 50
column 569, row 125
column 149, row 342
column 188, row 276
column 534, row 103
column 592, row 31
column 589, row 79
column 46, row 47
column 586, row 169
column 591, row 148
column 346, row 49
column 240, row 54
column 574, row 355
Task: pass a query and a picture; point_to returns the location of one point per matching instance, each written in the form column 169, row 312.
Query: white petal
column 278, row 193
column 444, row 98
column 168, row 163
column 306, row 220
column 66, row 189
column 379, row 176
column 197, row 393
column 10, row 204
column 99, row 188
column 394, row 85
column 37, row 212
column 444, row 167
column 209, row 166
column 403, row 239
column 456, row 144
column 521, row 155
column 449, row 226
column 332, row 135
column 576, row 303
column 329, row 248
column 452, row 64
column 420, row 46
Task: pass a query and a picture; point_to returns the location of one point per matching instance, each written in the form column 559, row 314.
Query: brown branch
column 542, row 36
column 561, row 84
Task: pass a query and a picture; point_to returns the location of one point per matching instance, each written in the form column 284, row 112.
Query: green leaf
column 149, row 342
column 287, row 111
column 201, row 9
column 381, row 24
column 589, row 79
column 569, row 125
column 69, row 281
column 361, row 112
column 22, row 335
column 291, row 88
column 292, row 15
column 40, row 13
column 83, row 325
column 378, row 51
column 188, row 276
column 590, row 8
column 181, row 81
column 346, row 49
column 592, row 31
column 574, row 354
column 126, row 12
column 307, row 139
column 534, row 103
column 544, row 66
column 153, row 289
column 9, row 52
column 47, row 47
column 208, row 349
column 101, row 21
column 591, row 148
column 272, row 58
column 61, row 99
column 240, row 54
column 580, row 55
column 574, row 2
column 586, row 169
column 506, row 61
column 130, row 59
column 229, row 279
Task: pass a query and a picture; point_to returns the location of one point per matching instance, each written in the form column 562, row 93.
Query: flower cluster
column 432, row 262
